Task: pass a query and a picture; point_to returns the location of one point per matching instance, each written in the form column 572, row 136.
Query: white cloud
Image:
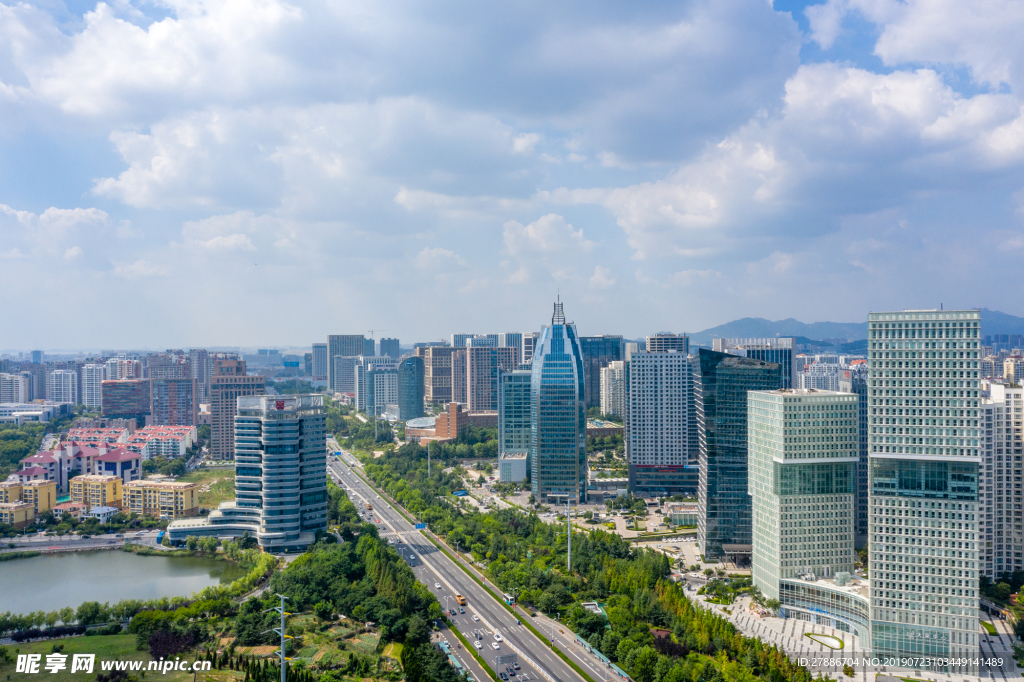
column 73, row 253
column 438, row 259
column 549, row 234
column 602, row 279
column 140, row 269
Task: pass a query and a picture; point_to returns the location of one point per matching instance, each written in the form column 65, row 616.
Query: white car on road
column 476, row 617
column 437, row 586
column 497, row 637
column 477, row 645
column 495, row 645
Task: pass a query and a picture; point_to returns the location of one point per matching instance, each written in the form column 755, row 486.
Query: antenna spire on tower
column 558, row 317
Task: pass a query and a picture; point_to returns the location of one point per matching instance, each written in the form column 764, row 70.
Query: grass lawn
column 989, row 628
column 107, row 647
column 216, row 485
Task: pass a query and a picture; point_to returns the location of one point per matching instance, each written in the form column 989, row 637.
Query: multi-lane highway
column 497, row 635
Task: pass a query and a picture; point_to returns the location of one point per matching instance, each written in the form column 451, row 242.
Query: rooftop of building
column 165, row 485
column 94, row 478
column 421, row 423
column 14, row 506
column 119, row 455
column 807, row 392
column 43, row 457
column 104, row 510
column 855, row 585
column 31, row 471
column 603, row 424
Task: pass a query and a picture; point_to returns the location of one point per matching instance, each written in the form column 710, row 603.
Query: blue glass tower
column 558, row 415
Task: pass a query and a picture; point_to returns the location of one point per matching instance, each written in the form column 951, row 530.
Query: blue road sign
column 420, row 526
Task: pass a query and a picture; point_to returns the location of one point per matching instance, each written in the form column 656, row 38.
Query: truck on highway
column 459, row 598
column 369, row 506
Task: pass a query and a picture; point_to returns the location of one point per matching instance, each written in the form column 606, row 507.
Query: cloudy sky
column 232, row 172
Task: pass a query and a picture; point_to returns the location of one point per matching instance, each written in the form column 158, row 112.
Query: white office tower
column 1002, row 449
column 62, row 386
column 658, row 421
column 613, row 389
column 13, row 388
column 512, row 340
column 923, row 482
column 93, row 376
column 320, row 360
column 820, row 375
column 514, row 428
column 365, row 398
column 802, row 450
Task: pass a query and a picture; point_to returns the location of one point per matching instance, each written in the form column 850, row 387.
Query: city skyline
column 846, row 150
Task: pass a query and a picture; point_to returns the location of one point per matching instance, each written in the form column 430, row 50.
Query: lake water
column 52, row 581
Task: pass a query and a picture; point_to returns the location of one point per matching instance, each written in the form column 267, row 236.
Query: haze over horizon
column 201, row 172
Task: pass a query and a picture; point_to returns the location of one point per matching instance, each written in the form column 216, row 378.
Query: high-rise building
column 62, row 386
column 803, row 456
column 558, row 458
column 37, row 357
column 174, row 402
column 460, row 376
column 513, row 425
column 391, row 348
column 369, row 347
column 201, row 364
column 364, row 401
column 657, row 424
column 597, row 351
column 228, row 383
column 613, row 390
column 437, row 373
column 126, row 399
column 280, row 446
column 320, row 359
column 1001, row 498
column 482, row 341
column 410, row 388
column 381, row 388
column 665, row 341
column 93, row 376
column 779, row 350
column 923, row 504
column 628, row 348
column 722, row 382
column 459, row 340
column 1013, row 369
column 512, row 340
column 123, row 367
column 482, row 367
column 344, row 372
column 346, row 345
column 529, row 347
column 855, row 380
column 14, row 388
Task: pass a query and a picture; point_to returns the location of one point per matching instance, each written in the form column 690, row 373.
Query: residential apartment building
column 390, row 348
column 344, row 373
column 93, row 376
column 14, row 388
column 437, row 373
column 514, row 429
column 529, row 347
column 97, row 490
column 1013, row 369
column 803, row 455
column 483, row 364
column 558, row 459
column 228, row 383
column 923, row 520
column 1001, row 498
column 657, row 424
column 321, row 371
column 722, row 382
column 42, row 495
column 174, row 402
column 62, row 386
column 161, row 499
column 854, row 379
column 614, row 396
column 662, row 342
column 345, row 345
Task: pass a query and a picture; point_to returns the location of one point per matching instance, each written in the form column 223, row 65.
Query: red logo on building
column 280, row 404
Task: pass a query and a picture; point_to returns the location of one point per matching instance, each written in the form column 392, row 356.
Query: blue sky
column 222, row 172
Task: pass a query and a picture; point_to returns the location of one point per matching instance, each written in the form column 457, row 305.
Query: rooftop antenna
column 558, row 317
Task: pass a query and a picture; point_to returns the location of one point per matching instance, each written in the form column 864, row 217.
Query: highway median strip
column 473, row 652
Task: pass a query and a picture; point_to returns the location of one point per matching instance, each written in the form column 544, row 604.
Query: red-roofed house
column 120, row 462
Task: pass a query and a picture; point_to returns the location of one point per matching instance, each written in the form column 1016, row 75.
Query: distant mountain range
column 992, row 322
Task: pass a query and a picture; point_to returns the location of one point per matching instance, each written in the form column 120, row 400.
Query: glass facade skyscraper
column 722, row 382
column 923, row 504
column 778, row 350
column 514, row 430
column 558, row 415
column 410, row 388
column 598, row 352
